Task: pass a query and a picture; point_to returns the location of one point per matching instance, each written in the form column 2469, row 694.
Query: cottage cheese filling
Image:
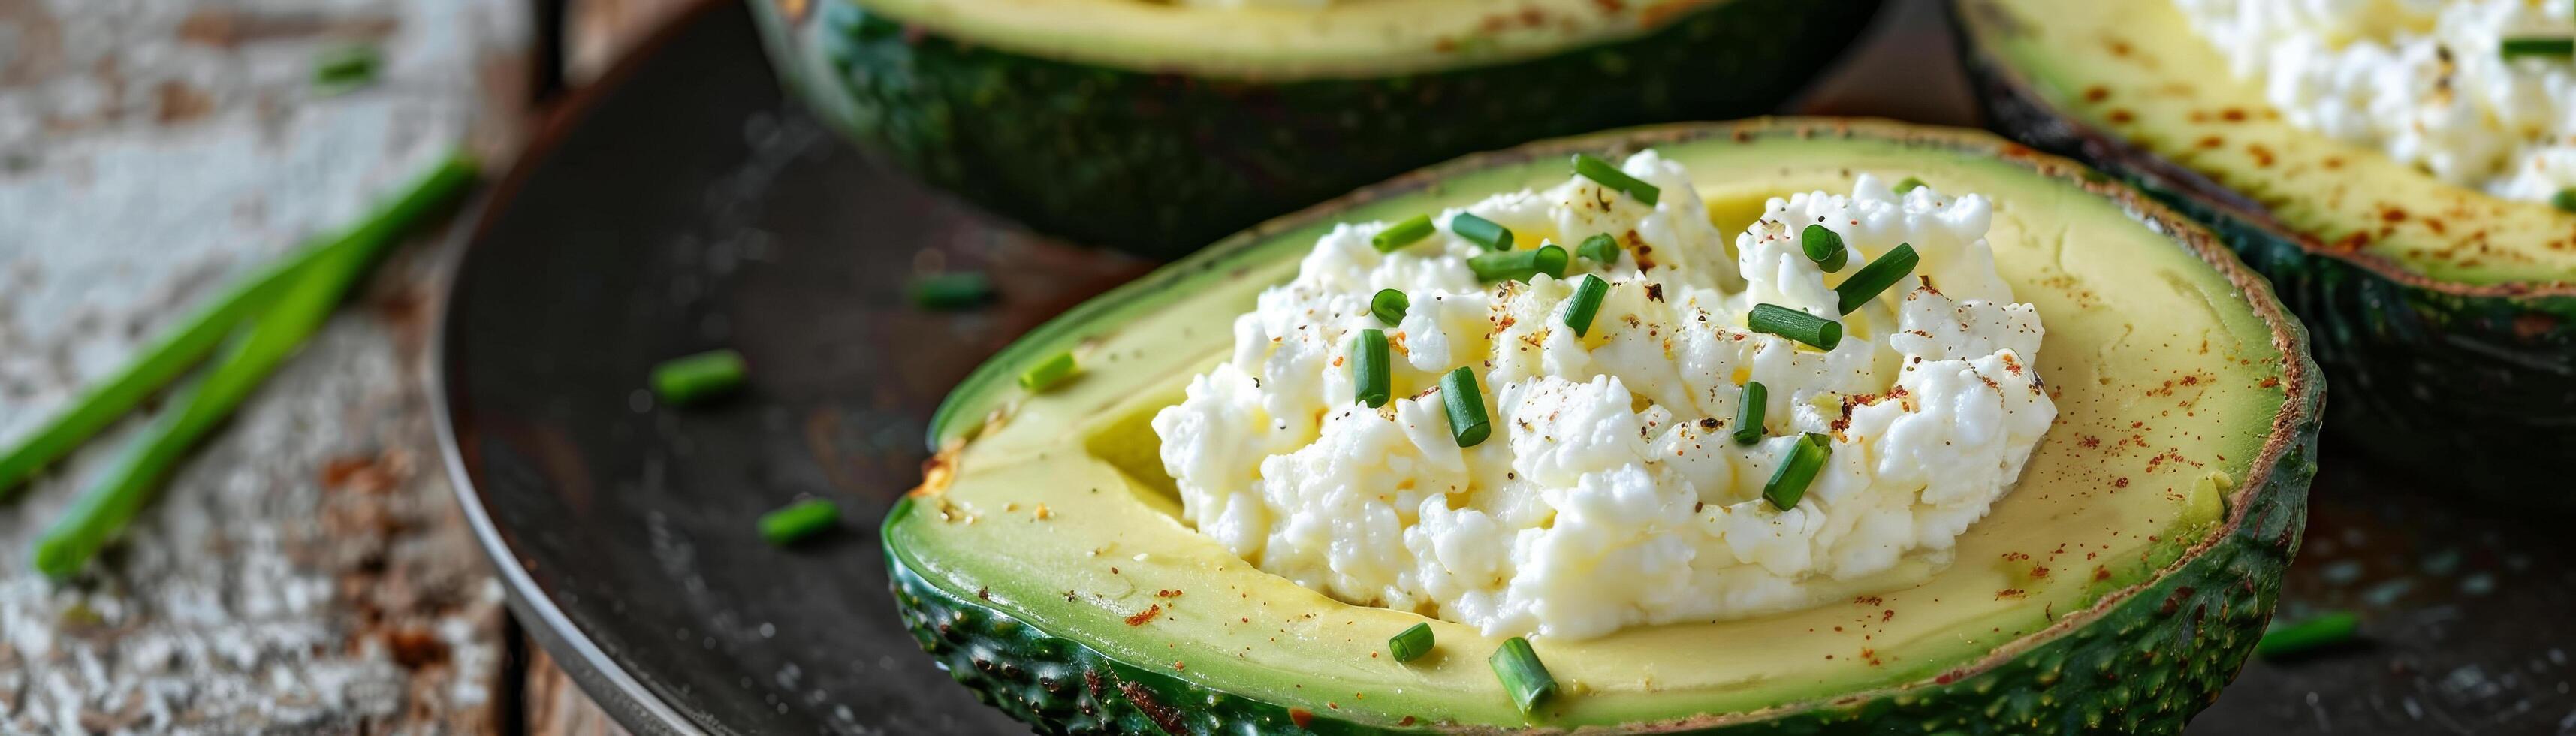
column 2422, row 80
column 1610, row 492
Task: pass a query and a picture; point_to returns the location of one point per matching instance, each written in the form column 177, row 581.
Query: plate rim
column 626, row 699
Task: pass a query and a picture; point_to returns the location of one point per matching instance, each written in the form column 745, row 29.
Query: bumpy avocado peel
column 1161, row 163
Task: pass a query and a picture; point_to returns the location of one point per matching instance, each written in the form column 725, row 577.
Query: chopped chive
column 1523, row 675
column 695, row 379
column 1585, row 303
column 1601, row 248
column 1825, row 247
column 346, row 67
column 1866, row 283
column 1481, row 231
column 798, row 521
column 1822, row 333
column 1551, row 260
column 2565, row 199
column 1411, row 230
column 1411, row 644
column 1908, row 184
column 1389, row 306
column 1466, row 405
column 1503, row 266
column 2513, row 48
column 1610, row 176
column 951, row 291
column 303, row 305
column 1369, row 370
column 2309, row 635
column 1049, row 373
column 1748, row 413
column 1789, row 482
column 1519, row 265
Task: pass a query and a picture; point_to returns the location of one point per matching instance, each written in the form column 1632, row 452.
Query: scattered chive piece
column 1369, row 367
column 951, row 291
column 1401, row 234
column 1748, row 413
column 697, row 378
column 798, row 521
column 1523, row 675
column 1610, row 176
column 1585, row 303
column 1049, row 373
column 1411, row 644
column 2565, row 200
column 1481, row 231
column 1466, row 404
column 1822, row 333
column 1825, row 247
column 341, row 69
column 1908, row 184
column 1519, row 265
column 301, row 307
column 1601, row 248
column 2513, row 48
column 1389, row 306
column 1866, row 283
column 1789, row 482
column 2306, row 636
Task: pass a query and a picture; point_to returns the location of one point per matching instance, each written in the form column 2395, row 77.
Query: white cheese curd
column 2422, row 80
column 1610, row 492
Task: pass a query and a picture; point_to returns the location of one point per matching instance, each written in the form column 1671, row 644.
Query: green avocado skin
column 2471, row 389
column 1162, row 163
column 2143, row 665
column 2477, row 391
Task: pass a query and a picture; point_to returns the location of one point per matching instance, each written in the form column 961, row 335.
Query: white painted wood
column 306, row 571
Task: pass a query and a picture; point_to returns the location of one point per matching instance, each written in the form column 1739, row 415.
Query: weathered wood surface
column 599, row 32
column 556, row 706
column 306, row 572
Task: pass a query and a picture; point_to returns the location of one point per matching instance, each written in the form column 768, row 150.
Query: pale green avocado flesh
column 2137, row 71
column 1044, row 541
column 2446, row 316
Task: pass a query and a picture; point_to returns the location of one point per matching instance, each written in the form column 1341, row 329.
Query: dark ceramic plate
column 681, row 206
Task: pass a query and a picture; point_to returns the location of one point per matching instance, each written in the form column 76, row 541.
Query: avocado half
column 1157, row 126
column 2446, row 316
column 1042, row 563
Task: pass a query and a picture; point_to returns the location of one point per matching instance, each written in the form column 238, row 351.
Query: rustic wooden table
column 307, row 571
